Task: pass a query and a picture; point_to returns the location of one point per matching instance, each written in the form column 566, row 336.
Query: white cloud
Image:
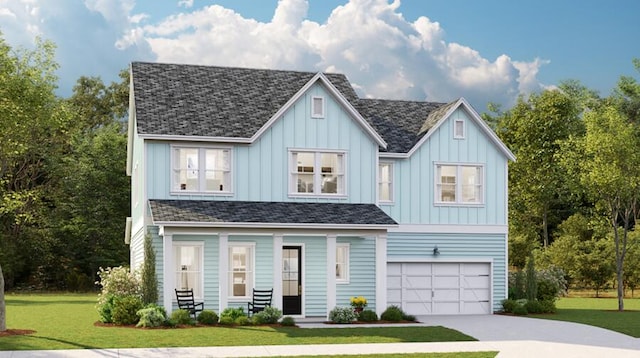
column 186, row 3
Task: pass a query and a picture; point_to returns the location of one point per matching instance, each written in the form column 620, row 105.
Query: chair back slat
column 260, row 300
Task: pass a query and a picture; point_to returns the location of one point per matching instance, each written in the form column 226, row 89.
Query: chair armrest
column 201, row 304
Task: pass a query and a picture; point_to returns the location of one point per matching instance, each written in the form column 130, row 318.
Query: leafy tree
column 632, row 263
column 149, row 278
column 609, row 170
column 539, row 197
column 3, row 312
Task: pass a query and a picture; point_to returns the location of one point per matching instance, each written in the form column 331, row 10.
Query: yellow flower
column 358, row 301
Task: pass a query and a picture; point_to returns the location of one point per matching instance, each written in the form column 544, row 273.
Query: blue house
column 284, row 180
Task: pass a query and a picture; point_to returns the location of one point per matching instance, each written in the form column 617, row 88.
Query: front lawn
column 66, row 321
column 600, row 312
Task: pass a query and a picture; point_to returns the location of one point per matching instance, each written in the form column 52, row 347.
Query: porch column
column 331, row 273
column 168, row 273
column 381, row 273
column 277, row 271
column 223, row 269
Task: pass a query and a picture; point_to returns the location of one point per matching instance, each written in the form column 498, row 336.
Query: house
column 251, row 178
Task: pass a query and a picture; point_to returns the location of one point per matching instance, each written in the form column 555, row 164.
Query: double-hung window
column 317, row 173
column 201, row 169
column 385, row 182
column 241, row 270
column 342, row 263
column 459, row 184
column 188, row 258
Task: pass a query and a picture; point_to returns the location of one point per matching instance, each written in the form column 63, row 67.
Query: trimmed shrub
column 342, row 314
column 508, row 305
column 548, row 306
column 181, row 317
column 207, row 317
column 288, row 321
column 116, row 282
column 392, row 314
column 533, row 307
column 409, row 317
column 520, row 310
column 105, row 309
column 270, row 315
column 125, row 310
column 151, row 316
column 367, row 316
column 226, row 321
column 232, row 313
column 243, row 321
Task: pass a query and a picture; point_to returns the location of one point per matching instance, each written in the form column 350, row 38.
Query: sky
column 433, row 50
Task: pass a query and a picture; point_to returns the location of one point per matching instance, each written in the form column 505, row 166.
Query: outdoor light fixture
column 436, row 252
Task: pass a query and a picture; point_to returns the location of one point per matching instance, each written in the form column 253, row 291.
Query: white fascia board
column 130, row 125
column 271, row 225
column 450, row 229
column 336, row 94
column 475, row 117
column 386, row 155
column 193, row 138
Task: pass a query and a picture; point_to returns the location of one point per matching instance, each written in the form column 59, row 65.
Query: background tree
column 538, row 191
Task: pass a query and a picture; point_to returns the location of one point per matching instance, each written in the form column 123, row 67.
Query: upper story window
column 317, row 173
column 458, row 129
column 201, row 169
column 317, row 107
column 385, row 181
column 459, row 184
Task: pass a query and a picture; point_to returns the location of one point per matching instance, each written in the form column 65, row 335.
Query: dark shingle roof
column 214, row 101
column 206, row 211
column 398, row 122
column 207, row 101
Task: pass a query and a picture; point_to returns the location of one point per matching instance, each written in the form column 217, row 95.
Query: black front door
column 291, row 280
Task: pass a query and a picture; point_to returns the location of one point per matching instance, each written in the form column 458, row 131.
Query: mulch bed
column 16, row 332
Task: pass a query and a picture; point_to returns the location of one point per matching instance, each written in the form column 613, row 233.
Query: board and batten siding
column 414, row 178
column 260, row 171
column 362, row 273
column 314, row 275
column 412, row 247
column 138, row 186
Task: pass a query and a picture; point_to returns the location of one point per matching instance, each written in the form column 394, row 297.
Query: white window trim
column 347, row 263
column 464, row 128
column 199, row 244
column 313, row 107
column 317, row 192
column 201, row 177
column 391, row 180
column 252, row 284
column 436, row 197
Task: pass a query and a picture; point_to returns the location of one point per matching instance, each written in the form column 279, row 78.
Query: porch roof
column 211, row 213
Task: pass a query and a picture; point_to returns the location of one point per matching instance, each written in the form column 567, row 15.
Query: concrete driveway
column 510, row 328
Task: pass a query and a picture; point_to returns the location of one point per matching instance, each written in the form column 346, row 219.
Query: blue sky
column 437, row 50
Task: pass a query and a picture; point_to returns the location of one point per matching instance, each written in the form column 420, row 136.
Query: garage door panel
column 411, row 282
column 446, row 282
column 447, row 295
column 417, row 269
column 394, row 269
column 446, row 308
column 476, row 307
column 478, row 269
column 476, row 282
column 476, row 295
column 417, row 308
column 417, row 295
column 446, row 269
column 394, row 282
column 394, row 295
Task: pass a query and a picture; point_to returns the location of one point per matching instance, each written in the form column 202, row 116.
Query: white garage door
column 421, row 288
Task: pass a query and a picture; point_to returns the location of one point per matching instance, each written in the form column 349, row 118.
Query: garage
column 429, row 288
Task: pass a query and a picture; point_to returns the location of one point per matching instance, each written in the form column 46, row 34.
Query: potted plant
column 358, row 303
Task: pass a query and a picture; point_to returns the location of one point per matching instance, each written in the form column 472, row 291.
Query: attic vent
column 317, row 107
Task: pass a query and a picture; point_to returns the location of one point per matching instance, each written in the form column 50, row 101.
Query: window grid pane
column 188, row 263
column 240, row 271
column 317, row 172
column 385, row 188
column 459, row 184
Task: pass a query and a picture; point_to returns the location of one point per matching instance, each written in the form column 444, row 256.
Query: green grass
column 600, row 312
column 67, row 322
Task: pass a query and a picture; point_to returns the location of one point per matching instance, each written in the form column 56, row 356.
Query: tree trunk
column 3, row 316
column 545, row 230
column 619, row 269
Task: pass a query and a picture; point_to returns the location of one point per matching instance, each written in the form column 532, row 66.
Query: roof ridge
column 236, row 68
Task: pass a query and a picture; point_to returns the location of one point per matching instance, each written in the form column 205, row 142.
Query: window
column 342, row 263
column 458, row 129
column 317, row 107
column 459, row 184
column 385, row 182
column 317, row 173
column 241, row 270
column 188, row 267
column 201, row 170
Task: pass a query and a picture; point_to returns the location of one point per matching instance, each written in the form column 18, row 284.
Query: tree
column 609, row 170
column 533, row 129
column 3, row 314
column 149, row 278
